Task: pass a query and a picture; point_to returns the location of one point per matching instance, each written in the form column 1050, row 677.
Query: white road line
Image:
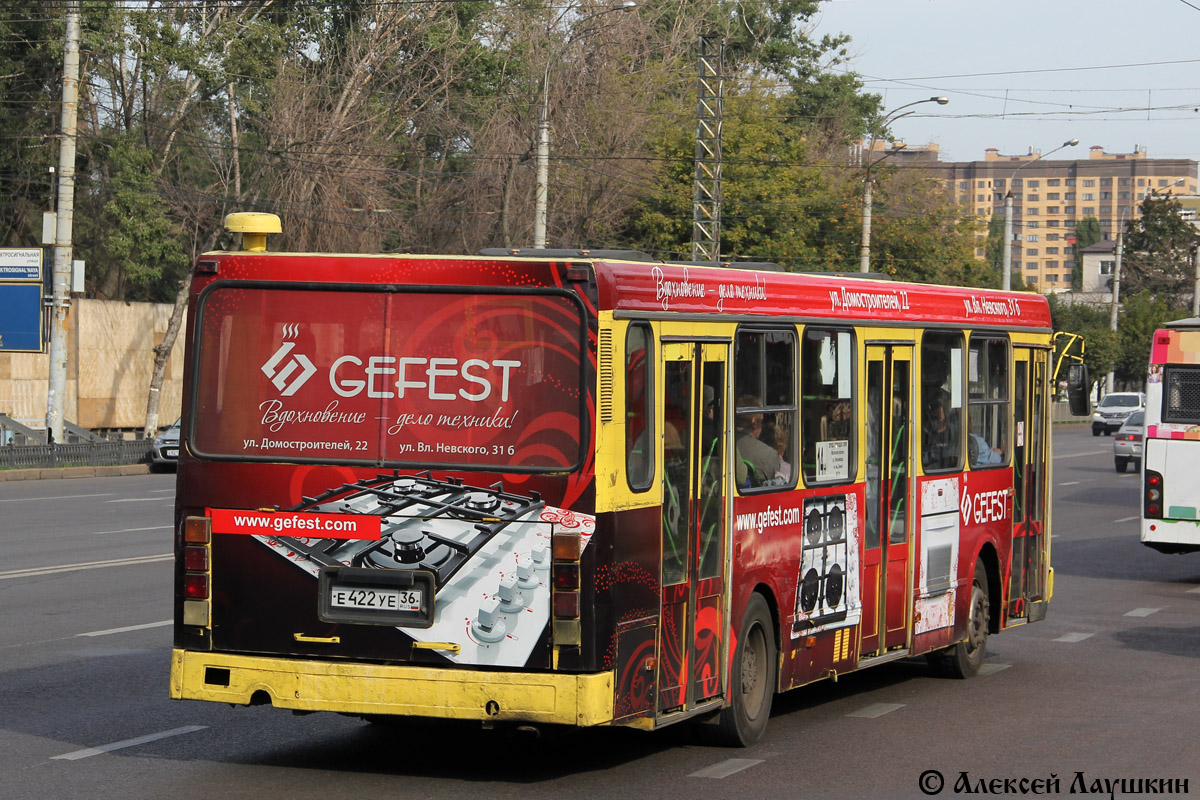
column 1064, row 483
column 1141, row 612
column 60, row 497
column 108, row 748
column 133, row 530
column 1127, row 519
column 128, row 628
column 163, row 491
column 136, row 500
column 992, row 669
column 1194, row 591
column 120, row 562
column 1072, row 638
column 723, row 769
column 876, row 710
column 1081, row 455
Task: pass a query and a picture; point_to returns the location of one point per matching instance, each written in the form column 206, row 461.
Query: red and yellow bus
column 585, row 489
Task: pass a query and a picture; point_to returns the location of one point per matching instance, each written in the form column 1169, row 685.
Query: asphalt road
column 1105, row 686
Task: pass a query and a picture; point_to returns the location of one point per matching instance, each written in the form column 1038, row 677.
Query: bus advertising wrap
column 429, row 378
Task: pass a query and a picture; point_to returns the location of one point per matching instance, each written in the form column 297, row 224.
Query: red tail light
column 195, row 587
column 1152, row 495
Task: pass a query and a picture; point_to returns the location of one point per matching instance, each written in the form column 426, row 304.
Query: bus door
column 887, row 591
column 691, row 642
column 1027, row 569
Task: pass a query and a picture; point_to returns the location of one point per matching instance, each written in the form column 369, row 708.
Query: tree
column 1158, row 251
column 1143, row 314
column 1100, row 348
column 1087, row 232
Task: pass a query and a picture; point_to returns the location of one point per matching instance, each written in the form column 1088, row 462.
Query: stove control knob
column 526, row 574
column 541, row 556
column 510, row 598
column 490, row 625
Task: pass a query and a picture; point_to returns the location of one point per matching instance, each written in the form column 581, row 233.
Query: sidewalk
column 58, row 473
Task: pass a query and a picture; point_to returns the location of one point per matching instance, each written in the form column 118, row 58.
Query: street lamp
column 541, row 192
column 1006, row 273
column 864, row 259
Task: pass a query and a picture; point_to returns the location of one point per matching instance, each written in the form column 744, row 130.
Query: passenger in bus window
column 777, row 434
column 761, row 459
column 939, row 442
column 980, row 452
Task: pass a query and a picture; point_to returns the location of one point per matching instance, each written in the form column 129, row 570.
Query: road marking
column 59, row 497
column 108, row 748
column 1069, row 483
column 1127, row 519
column 1072, row 638
column 133, row 530
column 723, row 769
column 1081, row 455
column 162, row 491
column 120, row 562
column 1194, row 591
column 1141, row 612
column 876, row 710
column 992, row 669
column 128, row 628
column 135, row 500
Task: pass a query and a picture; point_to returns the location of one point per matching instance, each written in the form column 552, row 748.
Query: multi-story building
column 1050, row 196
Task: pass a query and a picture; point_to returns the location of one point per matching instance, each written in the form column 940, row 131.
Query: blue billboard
column 21, row 317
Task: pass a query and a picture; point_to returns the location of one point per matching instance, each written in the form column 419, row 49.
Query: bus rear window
column 431, row 379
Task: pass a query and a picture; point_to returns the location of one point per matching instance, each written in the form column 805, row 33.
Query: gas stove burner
column 482, row 502
column 810, row 590
column 837, row 522
column 812, row 526
column 428, row 523
column 407, row 547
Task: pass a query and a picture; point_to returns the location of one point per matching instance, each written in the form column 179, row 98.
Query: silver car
column 164, row 453
column 1114, row 407
column 1127, row 444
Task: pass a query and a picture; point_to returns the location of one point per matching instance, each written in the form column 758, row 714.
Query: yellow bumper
column 353, row 688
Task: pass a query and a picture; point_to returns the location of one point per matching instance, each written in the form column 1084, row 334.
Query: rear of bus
column 447, row 584
column 1171, row 454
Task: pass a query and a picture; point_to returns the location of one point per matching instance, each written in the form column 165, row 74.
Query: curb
column 63, row 473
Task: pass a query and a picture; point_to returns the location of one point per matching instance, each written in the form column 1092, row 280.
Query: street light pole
column 542, row 191
column 1006, row 255
column 864, row 258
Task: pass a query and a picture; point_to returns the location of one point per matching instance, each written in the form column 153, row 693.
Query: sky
column 1024, row 74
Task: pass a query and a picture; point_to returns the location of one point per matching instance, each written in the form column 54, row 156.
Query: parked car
column 165, row 452
column 1127, row 444
column 1113, row 409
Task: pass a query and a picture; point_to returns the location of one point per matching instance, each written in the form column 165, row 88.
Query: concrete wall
column 110, row 356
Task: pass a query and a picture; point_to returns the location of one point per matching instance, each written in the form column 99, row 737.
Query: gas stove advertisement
column 479, row 380
column 488, row 549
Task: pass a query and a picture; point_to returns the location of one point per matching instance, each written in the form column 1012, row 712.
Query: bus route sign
column 21, row 317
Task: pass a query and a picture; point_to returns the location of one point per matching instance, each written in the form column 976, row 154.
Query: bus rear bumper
column 356, row 688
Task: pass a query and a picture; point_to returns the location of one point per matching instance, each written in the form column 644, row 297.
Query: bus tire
column 744, row 720
column 964, row 659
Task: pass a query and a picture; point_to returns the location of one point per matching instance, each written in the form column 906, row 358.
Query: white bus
column 1171, row 452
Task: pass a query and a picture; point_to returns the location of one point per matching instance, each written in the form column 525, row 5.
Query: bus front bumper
column 356, row 688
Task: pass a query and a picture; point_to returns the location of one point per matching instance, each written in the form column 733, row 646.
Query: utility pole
column 706, row 185
column 60, row 309
column 1112, row 313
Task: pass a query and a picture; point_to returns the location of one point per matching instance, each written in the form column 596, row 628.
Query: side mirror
column 1078, row 385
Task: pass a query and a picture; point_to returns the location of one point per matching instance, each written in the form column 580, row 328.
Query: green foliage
column 1100, row 345
column 1142, row 315
column 1159, row 250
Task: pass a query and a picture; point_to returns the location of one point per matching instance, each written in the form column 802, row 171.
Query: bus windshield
column 472, row 380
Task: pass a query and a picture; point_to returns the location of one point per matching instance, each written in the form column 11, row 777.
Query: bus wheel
column 744, row 721
column 964, row 659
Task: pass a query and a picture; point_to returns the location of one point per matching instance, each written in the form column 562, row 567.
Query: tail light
column 567, row 549
column 197, row 566
column 1152, row 495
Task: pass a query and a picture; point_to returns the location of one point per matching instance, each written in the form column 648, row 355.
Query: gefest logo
column 980, row 507
column 282, row 377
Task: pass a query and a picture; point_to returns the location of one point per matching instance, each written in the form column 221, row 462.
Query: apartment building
column 1050, row 196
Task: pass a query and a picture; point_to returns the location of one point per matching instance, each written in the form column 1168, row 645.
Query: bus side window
column 988, row 412
column 765, row 418
column 827, row 392
column 639, row 394
column 941, row 401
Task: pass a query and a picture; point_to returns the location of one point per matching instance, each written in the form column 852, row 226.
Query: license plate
column 376, row 598
column 171, row 452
